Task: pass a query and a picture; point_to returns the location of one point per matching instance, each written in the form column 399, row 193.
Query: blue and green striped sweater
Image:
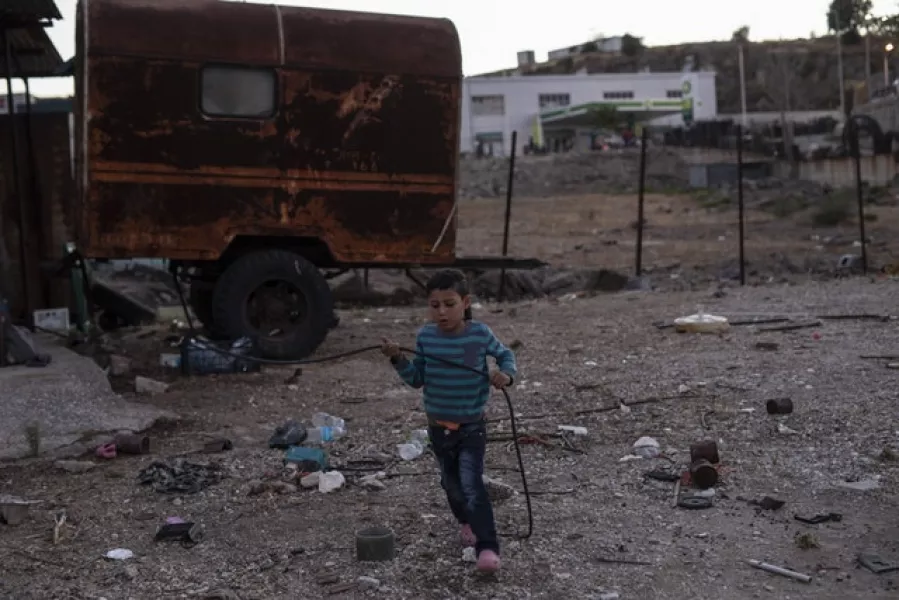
column 450, row 393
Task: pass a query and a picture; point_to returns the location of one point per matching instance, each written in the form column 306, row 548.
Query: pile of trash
column 573, row 173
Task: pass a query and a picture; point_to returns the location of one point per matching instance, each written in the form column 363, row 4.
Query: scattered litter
column 703, row 474
column 769, row 346
column 469, row 555
column 179, row 478
column 310, row 480
column 705, row 450
column 822, row 518
column 106, row 451
column 683, row 389
column 781, row 428
column 415, row 447
column 609, row 596
column 877, row 564
column 307, row 459
column 865, row 485
column 662, row 475
column 694, row 502
column 330, row 481
column 200, row 356
column 119, row 554
column 576, row 430
column 177, row 529
column 780, row 571
column 14, row 510
column 291, row 433
column 701, row 323
column 132, row 444
column 646, row 447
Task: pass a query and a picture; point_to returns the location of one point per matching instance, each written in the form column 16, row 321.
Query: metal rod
column 502, row 275
column 857, row 150
column 740, row 204
column 641, row 198
column 17, row 182
column 780, row 571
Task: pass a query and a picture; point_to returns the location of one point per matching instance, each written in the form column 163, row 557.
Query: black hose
column 363, row 350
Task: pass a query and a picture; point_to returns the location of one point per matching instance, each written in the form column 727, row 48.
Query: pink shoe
column 468, row 537
column 488, row 561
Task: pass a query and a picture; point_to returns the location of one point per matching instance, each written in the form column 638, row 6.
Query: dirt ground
column 580, row 359
column 688, row 241
column 576, row 356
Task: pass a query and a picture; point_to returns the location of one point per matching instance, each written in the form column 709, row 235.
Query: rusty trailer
column 255, row 145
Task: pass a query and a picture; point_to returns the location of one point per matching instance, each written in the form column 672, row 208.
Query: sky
column 493, row 31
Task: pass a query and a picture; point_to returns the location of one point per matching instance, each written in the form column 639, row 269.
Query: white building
column 554, row 109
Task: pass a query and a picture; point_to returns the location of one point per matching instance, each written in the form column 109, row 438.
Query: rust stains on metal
column 359, row 151
column 249, row 33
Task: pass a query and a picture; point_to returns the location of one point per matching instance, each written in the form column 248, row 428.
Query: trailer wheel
column 277, row 298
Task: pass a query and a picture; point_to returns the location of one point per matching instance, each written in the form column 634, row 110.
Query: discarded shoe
column 488, row 561
column 467, row 536
column 107, row 451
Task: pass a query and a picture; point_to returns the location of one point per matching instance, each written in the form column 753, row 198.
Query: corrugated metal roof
column 30, row 10
column 34, row 54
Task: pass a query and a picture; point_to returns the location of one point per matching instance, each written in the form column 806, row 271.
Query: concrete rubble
column 56, row 409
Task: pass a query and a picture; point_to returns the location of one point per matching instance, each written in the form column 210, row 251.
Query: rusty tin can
column 705, row 450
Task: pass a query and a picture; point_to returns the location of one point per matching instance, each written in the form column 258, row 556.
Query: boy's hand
column 390, row 349
column 499, row 380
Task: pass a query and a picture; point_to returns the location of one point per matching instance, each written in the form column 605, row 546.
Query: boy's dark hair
column 450, row 279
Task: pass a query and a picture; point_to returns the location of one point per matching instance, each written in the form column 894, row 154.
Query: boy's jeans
column 460, row 455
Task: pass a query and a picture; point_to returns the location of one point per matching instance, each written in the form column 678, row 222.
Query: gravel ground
column 576, row 355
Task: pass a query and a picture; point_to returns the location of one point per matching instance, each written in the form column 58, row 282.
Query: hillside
column 808, row 66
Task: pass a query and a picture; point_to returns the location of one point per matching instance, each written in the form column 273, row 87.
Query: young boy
column 454, row 401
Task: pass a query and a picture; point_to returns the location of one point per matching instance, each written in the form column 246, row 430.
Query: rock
column 368, row 583
column 373, row 482
column 75, row 466
column 145, row 385
column 498, row 490
column 119, row 365
column 130, row 572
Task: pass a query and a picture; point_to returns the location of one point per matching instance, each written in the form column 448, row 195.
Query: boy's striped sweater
column 453, row 394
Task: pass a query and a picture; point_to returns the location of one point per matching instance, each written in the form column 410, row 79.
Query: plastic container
column 323, row 433
column 325, row 420
column 203, row 357
column 701, row 323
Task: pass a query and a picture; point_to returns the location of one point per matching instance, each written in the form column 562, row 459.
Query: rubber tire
column 250, row 271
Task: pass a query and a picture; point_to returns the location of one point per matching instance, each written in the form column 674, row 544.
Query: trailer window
column 237, row 92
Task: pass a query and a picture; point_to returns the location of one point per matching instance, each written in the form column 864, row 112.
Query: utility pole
column 742, row 85
column 840, row 69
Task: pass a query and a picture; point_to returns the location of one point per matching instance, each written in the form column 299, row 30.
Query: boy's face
column 448, row 309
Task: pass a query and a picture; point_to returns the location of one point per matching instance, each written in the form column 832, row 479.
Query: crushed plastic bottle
column 321, row 419
column 318, row 435
column 415, row 447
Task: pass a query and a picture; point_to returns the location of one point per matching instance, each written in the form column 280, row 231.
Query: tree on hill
column 847, row 17
column 741, row 35
column 631, row 46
